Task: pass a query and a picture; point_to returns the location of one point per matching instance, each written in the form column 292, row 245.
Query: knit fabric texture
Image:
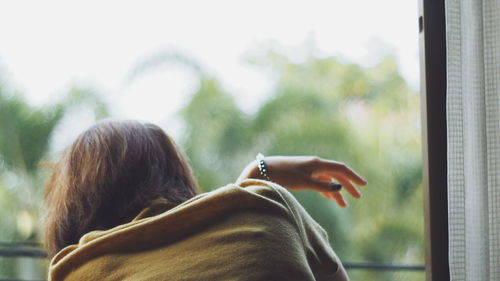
column 252, row 230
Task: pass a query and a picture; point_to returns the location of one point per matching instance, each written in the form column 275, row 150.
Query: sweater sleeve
column 321, row 258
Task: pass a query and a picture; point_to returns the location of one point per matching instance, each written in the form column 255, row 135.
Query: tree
column 25, row 136
column 366, row 117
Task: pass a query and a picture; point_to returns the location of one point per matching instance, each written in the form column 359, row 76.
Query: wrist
column 261, row 164
column 251, row 171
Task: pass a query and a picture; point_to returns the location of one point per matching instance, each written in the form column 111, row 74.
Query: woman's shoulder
column 246, row 196
column 270, row 191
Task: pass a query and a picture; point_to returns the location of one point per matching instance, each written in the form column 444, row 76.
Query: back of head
column 111, row 172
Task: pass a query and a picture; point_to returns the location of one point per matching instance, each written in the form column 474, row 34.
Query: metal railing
column 33, row 250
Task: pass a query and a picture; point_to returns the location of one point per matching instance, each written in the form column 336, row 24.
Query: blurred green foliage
column 365, row 117
column 25, row 135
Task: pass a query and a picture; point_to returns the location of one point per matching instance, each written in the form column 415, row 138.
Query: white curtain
column 473, row 112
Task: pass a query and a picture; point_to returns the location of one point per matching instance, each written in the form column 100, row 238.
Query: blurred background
column 227, row 79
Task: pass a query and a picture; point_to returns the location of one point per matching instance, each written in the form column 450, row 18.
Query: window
column 338, row 80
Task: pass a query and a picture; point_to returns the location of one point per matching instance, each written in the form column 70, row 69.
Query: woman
column 122, row 204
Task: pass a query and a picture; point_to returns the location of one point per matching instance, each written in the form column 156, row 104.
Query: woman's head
column 108, row 175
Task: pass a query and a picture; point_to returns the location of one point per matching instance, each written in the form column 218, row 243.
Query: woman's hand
column 308, row 173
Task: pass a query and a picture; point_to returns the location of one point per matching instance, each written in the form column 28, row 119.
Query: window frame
column 432, row 40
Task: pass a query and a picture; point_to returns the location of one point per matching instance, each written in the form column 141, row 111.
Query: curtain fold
column 473, row 118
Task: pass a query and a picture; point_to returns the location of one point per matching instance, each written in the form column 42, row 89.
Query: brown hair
column 108, row 175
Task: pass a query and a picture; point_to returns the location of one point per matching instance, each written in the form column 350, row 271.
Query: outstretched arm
column 308, row 173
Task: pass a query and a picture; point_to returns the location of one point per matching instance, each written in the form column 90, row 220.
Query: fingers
column 324, row 188
column 320, row 173
column 337, row 168
column 317, row 185
column 349, row 187
column 337, row 196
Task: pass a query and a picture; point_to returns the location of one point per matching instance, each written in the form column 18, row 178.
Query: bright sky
column 47, row 46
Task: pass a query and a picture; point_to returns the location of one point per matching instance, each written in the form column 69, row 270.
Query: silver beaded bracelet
column 262, row 166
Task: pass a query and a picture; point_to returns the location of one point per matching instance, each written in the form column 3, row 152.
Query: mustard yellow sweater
column 254, row 230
